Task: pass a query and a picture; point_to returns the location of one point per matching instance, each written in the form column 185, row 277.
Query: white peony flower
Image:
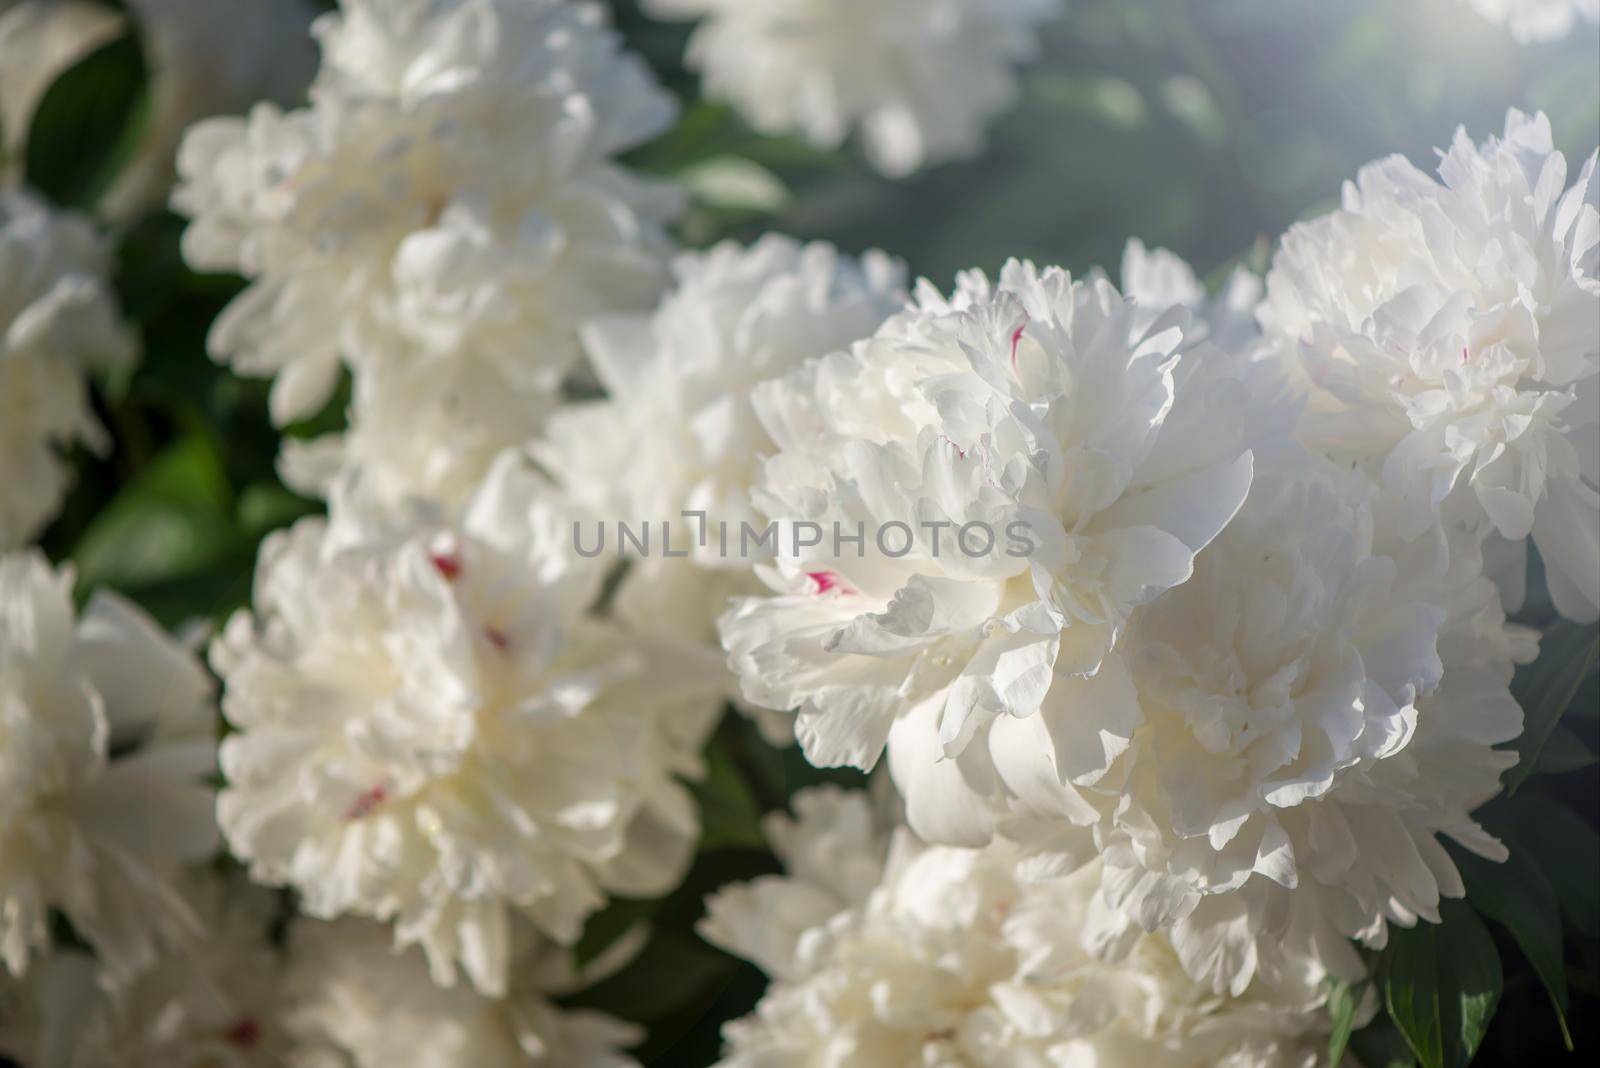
column 920, row 78
column 678, row 432
column 1533, row 21
column 1282, row 737
column 217, row 1004
column 426, row 434
column 58, row 321
column 430, row 730
column 357, row 1003
column 106, row 737
column 904, row 954
column 206, row 57
column 1026, row 466
column 449, row 195
column 1446, row 331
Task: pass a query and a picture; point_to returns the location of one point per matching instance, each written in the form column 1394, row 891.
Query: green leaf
column 730, row 816
column 89, row 124
column 1441, row 984
column 639, row 992
column 1469, row 971
column 1517, row 896
column 1563, row 753
column 1342, row 1003
column 1410, row 982
column 150, row 267
column 608, row 926
column 1567, row 655
column 1114, row 101
column 1564, row 845
column 703, row 130
column 267, row 506
column 1380, row 1045
column 174, row 519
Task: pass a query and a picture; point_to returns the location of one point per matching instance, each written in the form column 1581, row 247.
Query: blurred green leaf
column 267, row 506
column 1566, row 848
column 1106, row 98
column 730, row 816
column 1517, row 896
column 1380, row 1045
column 703, row 130
column 1191, row 102
column 608, row 926
column 1565, row 752
column 1441, row 984
column 643, row 992
column 150, row 267
column 1568, row 653
column 173, row 519
column 89, row 124
column 1343, row 1001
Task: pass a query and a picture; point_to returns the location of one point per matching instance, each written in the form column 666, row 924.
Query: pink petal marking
column 367, row 803
column 1016, row 339
column 447, row 563
column 1465, row 355
column 497, row 638
column 960, row 452
column 829, row 580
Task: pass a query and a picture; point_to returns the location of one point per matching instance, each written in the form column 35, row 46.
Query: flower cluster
column 1252, row 669
column 1178, row 619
